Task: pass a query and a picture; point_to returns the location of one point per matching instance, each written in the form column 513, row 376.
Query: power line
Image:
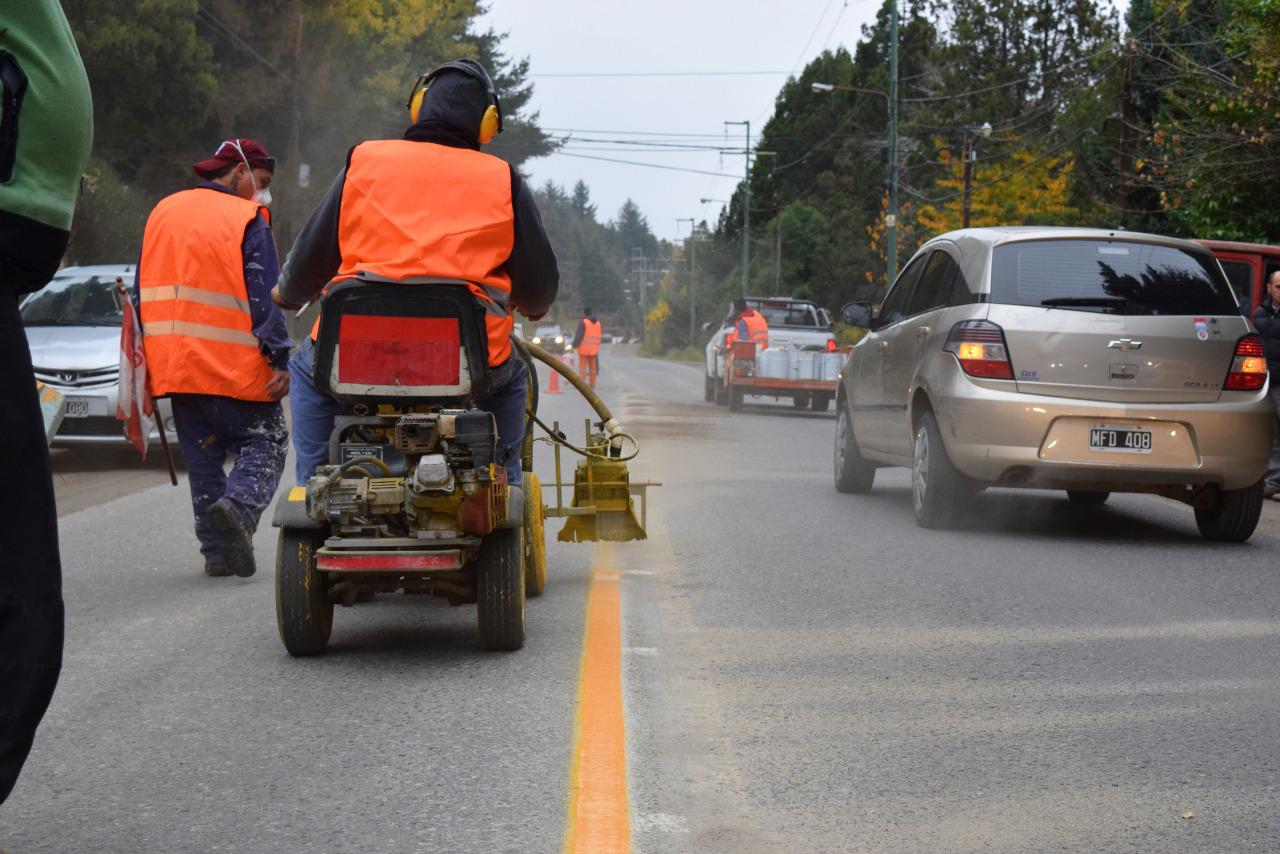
column 231, row 35
column 590, row 74
column 649, row 165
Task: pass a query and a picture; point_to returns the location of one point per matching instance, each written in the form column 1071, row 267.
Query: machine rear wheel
column 820, row 402
column 801, row 401
column 500, row 589
column 304, row 612
column 535, row 543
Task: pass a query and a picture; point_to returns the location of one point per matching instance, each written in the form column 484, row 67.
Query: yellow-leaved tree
column 1026, row 187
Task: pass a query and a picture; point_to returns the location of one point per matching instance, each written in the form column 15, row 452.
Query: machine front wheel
column 500, row 588
column 535, row 542
column 304, row 612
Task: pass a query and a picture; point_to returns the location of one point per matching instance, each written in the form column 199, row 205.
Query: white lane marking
column 641, row 650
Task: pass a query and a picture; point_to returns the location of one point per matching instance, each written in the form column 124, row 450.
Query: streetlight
column 721, row 201
column 970, row 131
column 891, row 99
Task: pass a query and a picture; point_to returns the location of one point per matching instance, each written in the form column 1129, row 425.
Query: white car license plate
column 1119, row 438
column 77, row 407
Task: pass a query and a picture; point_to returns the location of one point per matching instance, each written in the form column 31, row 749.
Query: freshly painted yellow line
column 598, row 819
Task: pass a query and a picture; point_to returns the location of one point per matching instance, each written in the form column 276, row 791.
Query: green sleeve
column 55, row 117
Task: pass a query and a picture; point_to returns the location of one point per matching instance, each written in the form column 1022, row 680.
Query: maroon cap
column 233, row 151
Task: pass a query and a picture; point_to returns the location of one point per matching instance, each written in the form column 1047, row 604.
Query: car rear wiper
column 1102, row 301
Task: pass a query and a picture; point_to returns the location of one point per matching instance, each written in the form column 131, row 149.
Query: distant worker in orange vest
column 750, row 326
column 429, row 205
column 217, row 346
column 587, row 342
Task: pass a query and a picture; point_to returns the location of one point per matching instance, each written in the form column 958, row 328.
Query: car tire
column 709, row 389
column 1233, row 516
column 820, row 402
column 735, row 399
column 1087, row 499
column 722, row 393
column 854, row 475
column 938, row 488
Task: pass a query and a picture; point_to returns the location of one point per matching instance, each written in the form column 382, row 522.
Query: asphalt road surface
column 799, row 671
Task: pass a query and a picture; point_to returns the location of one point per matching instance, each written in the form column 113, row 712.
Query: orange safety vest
column 757, row 330
column 196, row 326
column 592, row 335
column 414, row 210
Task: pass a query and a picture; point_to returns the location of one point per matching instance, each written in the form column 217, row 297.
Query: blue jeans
column 209, row 428
column 314, row 414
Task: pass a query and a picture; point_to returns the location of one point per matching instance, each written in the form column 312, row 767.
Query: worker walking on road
column 40, row 172
column 587, row 342
column 217, row 346
column 428, row 206
column 750, row 325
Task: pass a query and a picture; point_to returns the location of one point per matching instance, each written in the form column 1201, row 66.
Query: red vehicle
column 1248, row 266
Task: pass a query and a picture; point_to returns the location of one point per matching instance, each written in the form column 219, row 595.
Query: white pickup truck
column 793, row 323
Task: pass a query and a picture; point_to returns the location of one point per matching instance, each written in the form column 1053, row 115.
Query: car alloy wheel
column 920, row 469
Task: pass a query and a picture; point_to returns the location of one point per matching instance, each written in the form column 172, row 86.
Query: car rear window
column 787, row 313
column 1111, row 276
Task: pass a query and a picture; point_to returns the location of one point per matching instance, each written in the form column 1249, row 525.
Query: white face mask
column 262, row 197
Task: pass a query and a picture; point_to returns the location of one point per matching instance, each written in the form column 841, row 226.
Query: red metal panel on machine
column 744, row 349
column 398, row 351
column 386, row 562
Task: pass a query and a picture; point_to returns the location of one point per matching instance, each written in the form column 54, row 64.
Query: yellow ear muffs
column 415, row 104
column 490, row 124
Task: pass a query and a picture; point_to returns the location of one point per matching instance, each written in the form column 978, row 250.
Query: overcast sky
column 602, row 37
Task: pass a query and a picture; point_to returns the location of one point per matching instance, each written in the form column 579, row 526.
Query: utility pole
column 891, row 221
column 693, row 274
column 777, row 255
column 968, row 178
column 746, row 211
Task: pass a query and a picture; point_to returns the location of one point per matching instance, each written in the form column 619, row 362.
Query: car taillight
column 831, row 345
column 979, row 346
column 1248, row 365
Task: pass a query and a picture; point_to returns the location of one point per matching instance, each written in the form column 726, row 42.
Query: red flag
column 134, row 405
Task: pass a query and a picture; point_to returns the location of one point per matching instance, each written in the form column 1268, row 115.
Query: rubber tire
column 709, row 389
column 500, row 589
column 735, row 399
column 943, row 489
column 1087, row 499
column 820, row 402
column 854, row 475
column 722, row 393
column 1234, row 516
column 801, row 401
column 304, row 613
column 535, row 539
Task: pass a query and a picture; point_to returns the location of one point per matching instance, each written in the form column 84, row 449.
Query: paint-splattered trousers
column 31, row 612
column 211, row 427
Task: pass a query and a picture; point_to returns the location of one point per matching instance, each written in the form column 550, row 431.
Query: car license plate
column 77, row 407
column 1119, row 439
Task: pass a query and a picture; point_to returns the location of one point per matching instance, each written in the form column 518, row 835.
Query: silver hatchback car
column 1080, row 359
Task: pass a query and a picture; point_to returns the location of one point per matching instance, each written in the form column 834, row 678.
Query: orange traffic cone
column 553, row 383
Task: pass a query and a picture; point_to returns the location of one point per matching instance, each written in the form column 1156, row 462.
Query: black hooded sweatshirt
column 453, row 109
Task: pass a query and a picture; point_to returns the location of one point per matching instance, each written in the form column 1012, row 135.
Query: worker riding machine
column 414, row 498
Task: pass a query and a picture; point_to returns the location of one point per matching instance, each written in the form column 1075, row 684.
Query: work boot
column 216, row 570
column 237, row 540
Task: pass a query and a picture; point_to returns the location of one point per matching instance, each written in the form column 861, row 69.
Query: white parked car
column 73, row 327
